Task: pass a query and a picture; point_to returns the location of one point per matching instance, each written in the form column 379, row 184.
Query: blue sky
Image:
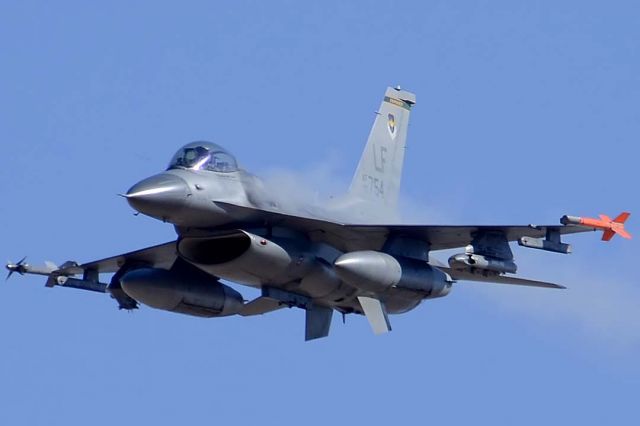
column 526, row 111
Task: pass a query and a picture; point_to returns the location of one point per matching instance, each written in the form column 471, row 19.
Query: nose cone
column 161, row 196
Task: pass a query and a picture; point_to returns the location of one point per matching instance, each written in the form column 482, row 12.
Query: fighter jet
column 327, row 257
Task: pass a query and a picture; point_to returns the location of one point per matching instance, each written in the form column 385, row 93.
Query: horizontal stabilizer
column 376, row 314
column 498, row 279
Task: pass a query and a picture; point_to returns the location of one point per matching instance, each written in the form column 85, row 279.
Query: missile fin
column 607, row 235
column 622, row 217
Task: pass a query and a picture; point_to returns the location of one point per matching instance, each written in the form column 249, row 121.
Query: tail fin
column 622, row 217
column 377, row 179
column 617, row 226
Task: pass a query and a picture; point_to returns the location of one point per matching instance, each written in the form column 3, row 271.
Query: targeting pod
column 465, row 261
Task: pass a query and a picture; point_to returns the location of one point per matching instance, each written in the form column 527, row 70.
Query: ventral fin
column 376, row 314
column 317, row 322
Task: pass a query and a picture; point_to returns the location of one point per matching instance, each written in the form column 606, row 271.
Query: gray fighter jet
column 337, row 256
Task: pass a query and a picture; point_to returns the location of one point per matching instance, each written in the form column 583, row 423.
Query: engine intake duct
column 216, row 249
column 247, row 258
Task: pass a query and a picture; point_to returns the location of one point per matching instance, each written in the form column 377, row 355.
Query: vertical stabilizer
column 377, row 179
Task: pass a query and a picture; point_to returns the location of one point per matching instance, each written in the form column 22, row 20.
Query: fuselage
column 201, row 202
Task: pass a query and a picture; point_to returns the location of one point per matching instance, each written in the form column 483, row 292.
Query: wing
column 352, row 237
column 442, row 237
column 345, row 237
column 160, row 256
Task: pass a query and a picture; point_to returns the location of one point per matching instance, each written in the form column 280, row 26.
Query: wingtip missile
column 19, row 267
column 608, row 226
column 24, row 268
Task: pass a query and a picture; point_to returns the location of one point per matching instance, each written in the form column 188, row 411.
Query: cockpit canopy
column 204, row 156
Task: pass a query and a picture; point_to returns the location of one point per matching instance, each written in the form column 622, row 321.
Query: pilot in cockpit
column 204, row 156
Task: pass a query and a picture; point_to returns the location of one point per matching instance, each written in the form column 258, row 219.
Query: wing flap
column 497, row 279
